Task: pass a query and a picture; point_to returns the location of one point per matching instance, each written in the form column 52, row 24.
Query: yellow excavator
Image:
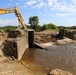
column 17, row 13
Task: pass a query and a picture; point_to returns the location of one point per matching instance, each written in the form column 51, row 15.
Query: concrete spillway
column 18, row 42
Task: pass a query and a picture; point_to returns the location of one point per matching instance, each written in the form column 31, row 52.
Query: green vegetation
column 63, row 27
column 34, row 24
column 49, row 26
column 7, row 28
column 43, row 27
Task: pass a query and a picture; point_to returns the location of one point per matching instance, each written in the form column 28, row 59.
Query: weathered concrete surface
column 31, row 38
column 16, row 44
column 22, row 44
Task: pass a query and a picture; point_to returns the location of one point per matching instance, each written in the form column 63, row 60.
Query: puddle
column 59, row 56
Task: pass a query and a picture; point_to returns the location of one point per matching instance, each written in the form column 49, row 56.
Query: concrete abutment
column 17, row 43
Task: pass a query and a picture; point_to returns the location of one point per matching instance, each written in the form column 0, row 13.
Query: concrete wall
column 18, row 41
column 20, row 37
column 22, row 44
column 31, row 38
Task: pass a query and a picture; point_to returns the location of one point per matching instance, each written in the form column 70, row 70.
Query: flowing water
column 53, row 57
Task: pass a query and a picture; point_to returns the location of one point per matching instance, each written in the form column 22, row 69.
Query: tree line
column 34, row 24
column 7, row 28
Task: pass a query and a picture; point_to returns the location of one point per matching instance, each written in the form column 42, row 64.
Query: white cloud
column 31, row 2
column 24, row 6
column 51, row 2
column 62, row 5
column 8, row 22
column 74, row 1
column 41, row 4
column 58, row 5
column 35, row 3
column 62, row 14
column 71, row 19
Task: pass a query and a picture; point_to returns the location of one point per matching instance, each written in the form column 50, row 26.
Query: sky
column 59, row 12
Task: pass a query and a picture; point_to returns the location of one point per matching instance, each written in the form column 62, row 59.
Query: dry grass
column 53, row 31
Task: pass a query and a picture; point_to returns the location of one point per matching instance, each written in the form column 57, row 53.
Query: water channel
column 53, row 57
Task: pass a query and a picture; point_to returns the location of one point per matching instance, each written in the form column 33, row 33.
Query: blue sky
column 59, row 12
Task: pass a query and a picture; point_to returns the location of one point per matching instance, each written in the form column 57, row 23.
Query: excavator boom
column 6, row 11
column 17, row 13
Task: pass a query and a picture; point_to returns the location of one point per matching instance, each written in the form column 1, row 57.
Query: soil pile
column 59, row 72
column 10, row 66
column 42, row 38
column 45, row 36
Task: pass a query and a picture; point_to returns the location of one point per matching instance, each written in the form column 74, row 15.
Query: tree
column 44, row 27
column 34, row 21
column 49, row 26
column 52, row 26
column 61, row 27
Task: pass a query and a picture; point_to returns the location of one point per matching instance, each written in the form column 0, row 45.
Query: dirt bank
column 10, row 66
column 45, row 36
column 45, row 40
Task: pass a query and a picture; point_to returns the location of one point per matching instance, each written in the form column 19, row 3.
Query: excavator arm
column 17, row 13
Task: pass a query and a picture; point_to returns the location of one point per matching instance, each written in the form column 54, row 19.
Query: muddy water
column 53, row 57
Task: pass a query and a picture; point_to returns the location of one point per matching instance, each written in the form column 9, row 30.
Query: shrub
column 52, row 26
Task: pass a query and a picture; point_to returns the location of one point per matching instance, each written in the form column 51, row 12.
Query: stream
column 53, row 57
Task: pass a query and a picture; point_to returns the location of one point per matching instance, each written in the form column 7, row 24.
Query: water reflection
column 59, row 56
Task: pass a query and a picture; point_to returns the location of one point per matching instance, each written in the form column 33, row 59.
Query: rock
column 63, row 41
column 59, row 72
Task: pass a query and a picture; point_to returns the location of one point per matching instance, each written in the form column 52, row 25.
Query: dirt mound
column 64, row 41
column 42, row 38
column 59, row 72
